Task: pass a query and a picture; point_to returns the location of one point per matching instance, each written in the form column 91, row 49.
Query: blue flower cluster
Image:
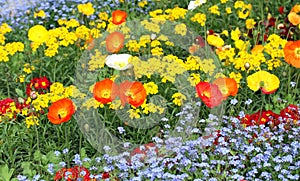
column 233, row 152
column 20, row 14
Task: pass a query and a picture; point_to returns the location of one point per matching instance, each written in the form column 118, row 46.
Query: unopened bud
column 247, row 65
column 33, row 95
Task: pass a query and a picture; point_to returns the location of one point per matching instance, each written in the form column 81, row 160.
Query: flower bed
column 150, row 90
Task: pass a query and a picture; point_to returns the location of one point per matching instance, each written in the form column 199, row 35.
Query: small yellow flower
column 228, row 10
column 86, row 9
column 199, row 18
column 22, row 78
column 27, row 68
column 40, row 14
column 180, row 29
column 103, row 16
column 178, row 98
column 31, row 121
column 250, row 23
column 214, row 10
column 151, row 88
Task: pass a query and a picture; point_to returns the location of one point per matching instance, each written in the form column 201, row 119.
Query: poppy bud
column 33, row 95
column 247, row 65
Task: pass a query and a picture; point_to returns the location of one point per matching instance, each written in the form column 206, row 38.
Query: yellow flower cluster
column 214, row 10
column 180, row 29
column 151, row 88
column 199, row 18
column 274, row 48
column 168, row 67
column 31, row 121
column 97, row 61
column 169, row 14
column 151, row 108
column 4, row 28
column 243, row 9
column 178, row 98
column 72, row 23
column 9, row 48
column 57, row 92
column 27, row 68
column 86, row 9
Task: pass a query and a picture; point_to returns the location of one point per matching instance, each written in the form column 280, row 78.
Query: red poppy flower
column 115, row 42
column 133, row 93
column 61, row 111
column 227, row 86
column 209, row 94
column 292, row 53
column 118, row 17
column 104, row 91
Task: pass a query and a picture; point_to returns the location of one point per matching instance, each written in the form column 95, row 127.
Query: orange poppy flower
column 209, row 94
column 119, row 17
column 61, row 111
column 227, row 86
column 104, row 91
column 293, row 16
column 132, row 92
column 115, row 42
column 292, row 53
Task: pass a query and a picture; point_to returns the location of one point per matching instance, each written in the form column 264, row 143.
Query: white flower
column 118, row 61
column 194, row 4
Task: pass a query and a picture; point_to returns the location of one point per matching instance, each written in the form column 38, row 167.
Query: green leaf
column 19, row 92
column 26, row 166
column 5, row 173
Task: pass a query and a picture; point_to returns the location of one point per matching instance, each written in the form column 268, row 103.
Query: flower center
column 297, row 51
column 105, row 93
column 62, row 113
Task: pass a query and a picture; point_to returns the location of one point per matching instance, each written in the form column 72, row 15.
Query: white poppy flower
column 194, row 4
column 118, row 61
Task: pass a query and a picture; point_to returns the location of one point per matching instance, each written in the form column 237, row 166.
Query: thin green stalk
column 38, row 147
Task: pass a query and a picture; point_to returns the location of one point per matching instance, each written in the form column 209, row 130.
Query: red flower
column 291, row 112
column 61, row 111
column 103, row 91
column 40, row 84
column 115, row 42
column 59, row 174
column 133, row 93
column 4, row 105
column 209, row 94
column 118, row 17
column 83, row 173
column 105, row 175
column 281, row 10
